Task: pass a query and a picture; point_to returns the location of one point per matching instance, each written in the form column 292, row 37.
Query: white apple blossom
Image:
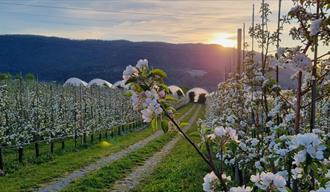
column 240, row 189
column 281, row 51
column 267, row 180
column 311, row 144
column 297, row 172
column 142, row 63
column 315, row 26
column 301, row 60
column 225, row 177
column 219, row 131
column 296, row 8
column 210, row 180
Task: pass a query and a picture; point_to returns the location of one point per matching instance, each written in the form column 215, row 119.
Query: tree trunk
column 36, row 146
column 1, row 159
column 85, row 140
column 20, row 155
column 52, row 147
column 75, row 140
column 92, row 138
column 63, row 145
column 314, row 75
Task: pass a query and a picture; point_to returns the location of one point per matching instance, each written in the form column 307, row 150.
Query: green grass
column 12, row 164
column 33, row 175
column 104, row 178
column 182, row 170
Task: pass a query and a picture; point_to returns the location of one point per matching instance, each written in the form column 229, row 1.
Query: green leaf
column 194, row 134
column 131, row 80
column 164, row 87
column 182, row 124
column 170, row 98
column 164, row 125
column 128, row 94
column 159, row 72
column 154, row 124
column 170, row 108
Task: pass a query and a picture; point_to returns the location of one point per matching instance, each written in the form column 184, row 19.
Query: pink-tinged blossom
column 135, row 101
column 226, row 132
column 147, row 115
column 129, row 71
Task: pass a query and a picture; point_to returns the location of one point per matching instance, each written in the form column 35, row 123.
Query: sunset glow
column 223, row 39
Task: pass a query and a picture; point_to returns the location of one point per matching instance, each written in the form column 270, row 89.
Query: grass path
column 181, row 171
column 61, row 183
column 104, row 178
column 140, row 172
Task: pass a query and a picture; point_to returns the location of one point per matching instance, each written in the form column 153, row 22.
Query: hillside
column 56, row 59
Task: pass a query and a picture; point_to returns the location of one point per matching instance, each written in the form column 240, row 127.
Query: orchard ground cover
column 104, row 178
column 182, row 170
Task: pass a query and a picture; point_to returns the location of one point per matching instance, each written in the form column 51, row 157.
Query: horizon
column 133, row 41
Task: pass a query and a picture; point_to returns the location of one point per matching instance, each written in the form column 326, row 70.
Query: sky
column 173, row 21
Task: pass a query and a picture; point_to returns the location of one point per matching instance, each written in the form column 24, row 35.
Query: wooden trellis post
column 239, row 50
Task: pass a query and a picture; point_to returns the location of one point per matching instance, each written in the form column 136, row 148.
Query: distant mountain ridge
column 56, row 59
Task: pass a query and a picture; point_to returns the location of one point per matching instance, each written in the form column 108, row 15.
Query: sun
column 223, row 39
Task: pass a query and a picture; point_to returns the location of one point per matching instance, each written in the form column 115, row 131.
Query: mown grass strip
column 34, row 175
column 105, row 177
column 182, row 170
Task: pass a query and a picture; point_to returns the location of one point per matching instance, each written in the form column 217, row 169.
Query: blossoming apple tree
column 257, row 136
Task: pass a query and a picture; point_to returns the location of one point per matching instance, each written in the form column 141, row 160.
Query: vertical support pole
column 298, row 104
column 252, row 43
column 239, row 50
column 278, row 36
column 263, row 35
column 277, row 56
column 314, row 75
column 225, row 75
column 243, row 66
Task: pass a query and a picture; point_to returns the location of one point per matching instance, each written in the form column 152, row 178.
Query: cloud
column 173, row 21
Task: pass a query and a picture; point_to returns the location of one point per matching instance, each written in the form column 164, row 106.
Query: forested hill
column 56, row 59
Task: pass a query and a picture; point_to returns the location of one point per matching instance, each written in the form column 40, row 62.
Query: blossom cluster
column 268, row 180
column 33, row 111
column 145, row 92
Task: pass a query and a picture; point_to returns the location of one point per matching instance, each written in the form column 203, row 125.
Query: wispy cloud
column 144, row 20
